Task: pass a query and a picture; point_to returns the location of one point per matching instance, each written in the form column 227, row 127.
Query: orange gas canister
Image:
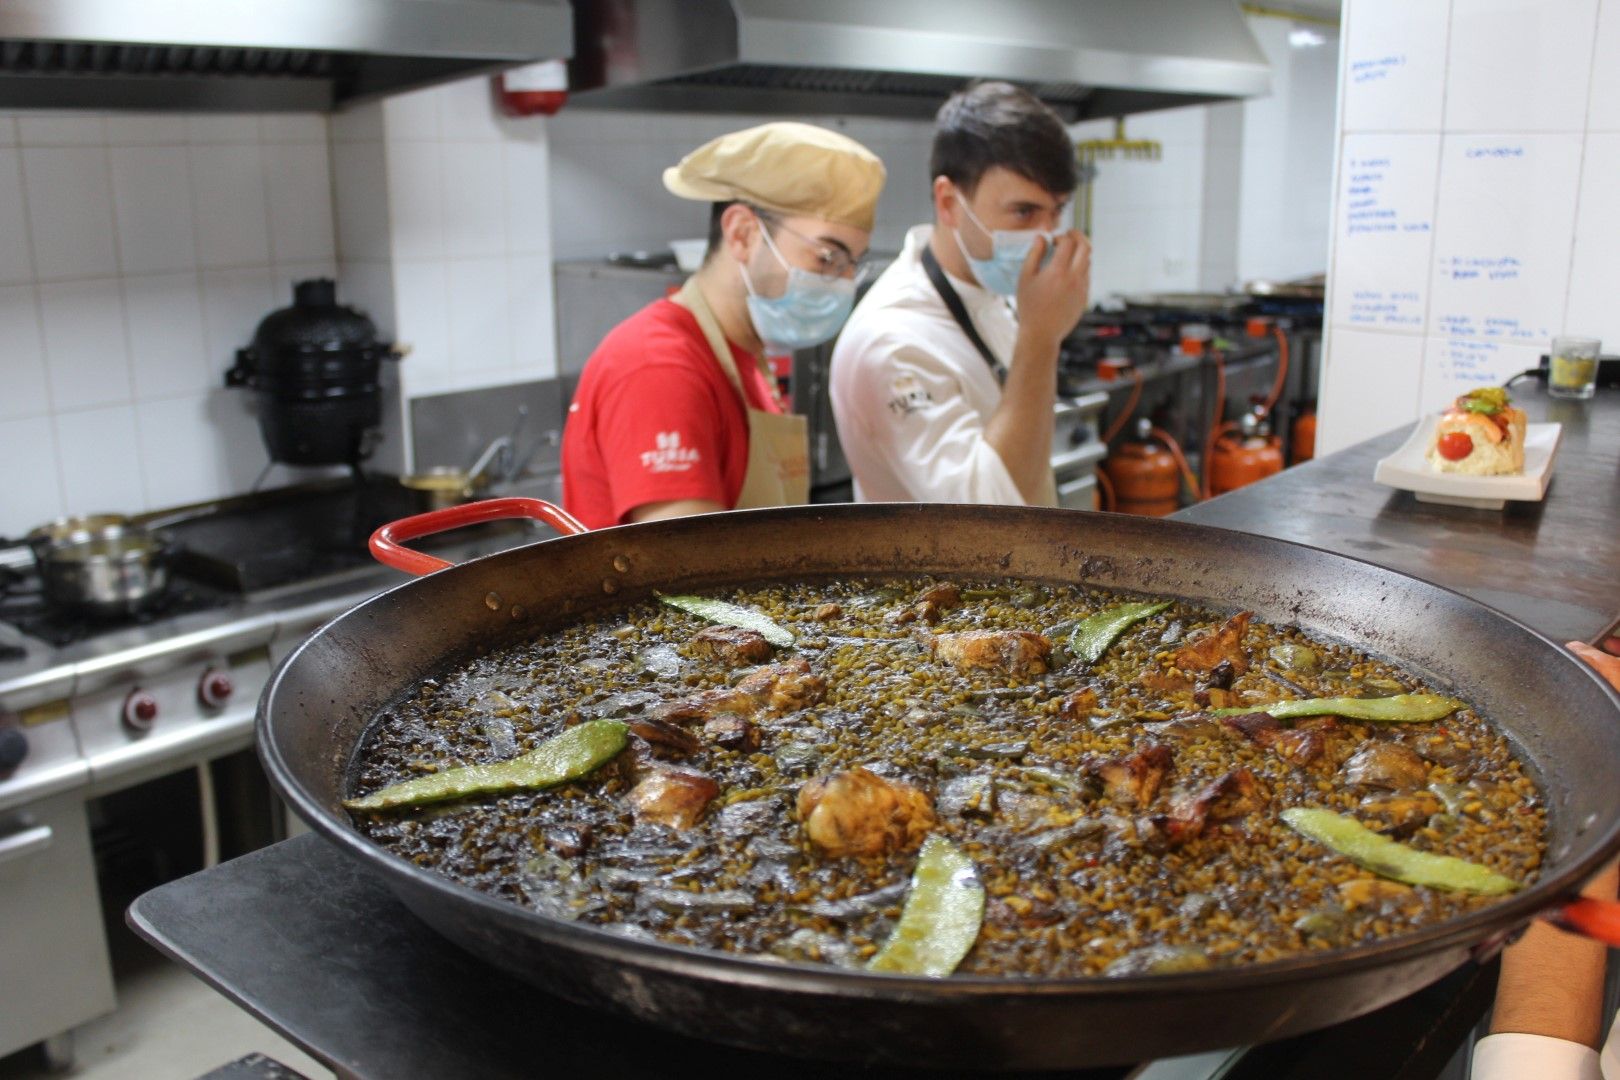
column 1144, row 477
column 1242, row 457
column 1302, row 437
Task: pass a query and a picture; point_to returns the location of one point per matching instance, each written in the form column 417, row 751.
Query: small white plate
column 1409, row 470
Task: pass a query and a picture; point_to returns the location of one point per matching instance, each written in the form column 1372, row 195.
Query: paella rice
column 1123, row 815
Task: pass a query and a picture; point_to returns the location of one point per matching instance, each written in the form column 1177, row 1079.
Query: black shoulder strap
column 953, row 304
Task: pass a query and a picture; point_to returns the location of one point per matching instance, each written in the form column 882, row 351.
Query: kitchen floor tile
column 169, row 1025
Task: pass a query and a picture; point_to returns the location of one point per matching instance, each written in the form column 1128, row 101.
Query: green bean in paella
column 1121, row 816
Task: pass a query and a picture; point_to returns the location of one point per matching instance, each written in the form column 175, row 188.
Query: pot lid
column 315, row 323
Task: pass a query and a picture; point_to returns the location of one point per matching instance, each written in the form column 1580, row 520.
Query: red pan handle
column 387, row 543
column 1598, row 919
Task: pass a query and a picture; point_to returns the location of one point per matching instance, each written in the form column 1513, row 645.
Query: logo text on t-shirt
column 668, row 454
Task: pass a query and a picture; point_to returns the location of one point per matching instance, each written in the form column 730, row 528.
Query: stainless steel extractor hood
column 259, row 55
column 1086, row 58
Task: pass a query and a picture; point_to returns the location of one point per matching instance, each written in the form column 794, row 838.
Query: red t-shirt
column 655, row 418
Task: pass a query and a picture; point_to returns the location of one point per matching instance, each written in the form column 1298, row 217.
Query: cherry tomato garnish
column 1455, row 445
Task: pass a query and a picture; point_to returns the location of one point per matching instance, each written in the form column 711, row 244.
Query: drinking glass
column 1573, row 370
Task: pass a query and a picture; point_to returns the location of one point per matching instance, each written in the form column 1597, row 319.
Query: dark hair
column 716, row 233
column 996, row 123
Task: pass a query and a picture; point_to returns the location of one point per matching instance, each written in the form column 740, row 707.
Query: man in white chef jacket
column 944, row 378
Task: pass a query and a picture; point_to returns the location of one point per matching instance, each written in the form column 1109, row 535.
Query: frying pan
column 1563, row 721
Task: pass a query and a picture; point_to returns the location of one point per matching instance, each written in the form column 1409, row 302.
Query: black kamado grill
column 314, row 370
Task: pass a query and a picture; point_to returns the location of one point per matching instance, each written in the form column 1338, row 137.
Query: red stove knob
column 215, row 688
column 140, row 711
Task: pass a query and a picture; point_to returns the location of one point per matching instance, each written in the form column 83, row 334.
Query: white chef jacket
column 1516, row 1056
column 912, row 395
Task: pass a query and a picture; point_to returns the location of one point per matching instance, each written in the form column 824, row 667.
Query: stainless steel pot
column 101, row 565
column 443, row 486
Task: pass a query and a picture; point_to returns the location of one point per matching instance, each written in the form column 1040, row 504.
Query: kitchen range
column 96, row 704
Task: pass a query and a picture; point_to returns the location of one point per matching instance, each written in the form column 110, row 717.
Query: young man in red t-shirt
column 675, row 413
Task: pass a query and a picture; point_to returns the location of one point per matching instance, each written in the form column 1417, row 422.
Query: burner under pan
column 229, row 550
column 25, row 607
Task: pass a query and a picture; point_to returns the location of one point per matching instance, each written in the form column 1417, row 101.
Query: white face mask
column 1008, row 250
column 810, row 310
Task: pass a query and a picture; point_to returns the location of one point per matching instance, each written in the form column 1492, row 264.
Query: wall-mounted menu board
column 1504, row 230
column 1394, row 65
column 1477, row 205
column 1384, row 231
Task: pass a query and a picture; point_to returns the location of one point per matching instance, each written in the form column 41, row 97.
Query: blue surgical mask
column 1008, row 250
column 810, row 311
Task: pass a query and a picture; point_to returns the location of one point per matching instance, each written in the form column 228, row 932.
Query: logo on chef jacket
column 907, row 395
column 668, row 455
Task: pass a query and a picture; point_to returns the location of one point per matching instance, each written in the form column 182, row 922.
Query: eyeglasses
column 831, row 263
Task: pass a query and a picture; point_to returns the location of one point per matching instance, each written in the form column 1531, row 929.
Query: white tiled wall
column 444, row 229
column 1287, row 174
column 1157, row 226
column 1476, row 204
column 137, row 253
column 1147, row 216
column 1240, row 191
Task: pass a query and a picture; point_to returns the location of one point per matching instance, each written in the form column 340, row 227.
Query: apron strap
column 778, row 472
column 692, row 299
column 953, row 304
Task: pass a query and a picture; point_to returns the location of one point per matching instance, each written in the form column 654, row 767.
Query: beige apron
column 778, row 443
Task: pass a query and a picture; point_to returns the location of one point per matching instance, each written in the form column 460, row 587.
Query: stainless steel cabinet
column 53, row 946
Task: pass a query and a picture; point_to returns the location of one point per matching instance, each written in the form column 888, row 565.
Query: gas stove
column 97, row 703
column 92, row 709
column 24, row 607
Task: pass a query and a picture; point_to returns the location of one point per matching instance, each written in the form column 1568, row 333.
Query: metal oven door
column 1077, row 450
column 50, row 923
column 1078, row 493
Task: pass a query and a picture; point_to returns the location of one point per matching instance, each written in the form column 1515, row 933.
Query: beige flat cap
column 786, row 167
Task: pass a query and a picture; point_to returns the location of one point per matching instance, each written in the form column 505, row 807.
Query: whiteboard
column 1456, row 365
column 1383, row 230
column 1465, row 240
column 1604, row 111
column 1504, row 232
column 1519, row 65
column 1370, row 385
column 1594, row 280
column 1394, row 65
